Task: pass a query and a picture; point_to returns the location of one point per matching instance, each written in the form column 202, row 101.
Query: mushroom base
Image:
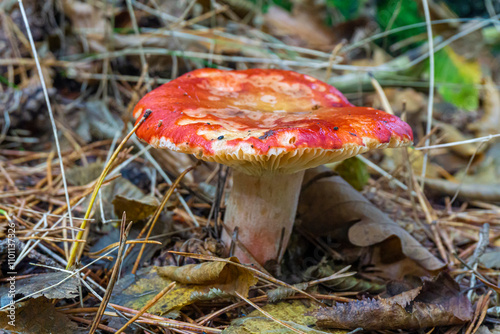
column 263, row 208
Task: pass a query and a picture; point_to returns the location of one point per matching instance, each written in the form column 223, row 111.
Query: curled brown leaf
column 436, row 303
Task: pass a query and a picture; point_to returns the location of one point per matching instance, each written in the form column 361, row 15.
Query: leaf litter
column 435, row 303
column 90, row 55
column 204, row 281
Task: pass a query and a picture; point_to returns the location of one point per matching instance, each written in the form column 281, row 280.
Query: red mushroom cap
column 263, row 121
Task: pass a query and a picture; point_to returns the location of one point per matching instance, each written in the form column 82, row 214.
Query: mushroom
column 269, row 126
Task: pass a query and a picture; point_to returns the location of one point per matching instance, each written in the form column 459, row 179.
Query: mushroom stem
column 263, row 208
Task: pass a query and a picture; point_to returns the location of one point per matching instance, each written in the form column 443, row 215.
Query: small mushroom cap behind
column 263, row 121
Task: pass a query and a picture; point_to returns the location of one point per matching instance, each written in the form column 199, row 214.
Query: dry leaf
column 300, row 28
column 491, row 259
column 351, row 283
column 412, row 100
column 136, row 209
column 290, row 312
column 204, row 281
column 331, row 205
column 451, row 134
column 490, row 122
column 90, row 19
column 67, row 289
column 436, row 303
column 219, row 275
column 394, row 158
column 38, row 316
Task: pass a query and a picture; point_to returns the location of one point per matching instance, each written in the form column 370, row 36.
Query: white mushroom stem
column 263, row 208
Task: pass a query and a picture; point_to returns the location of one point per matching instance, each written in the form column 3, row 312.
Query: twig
column 114, row 275
column 430, row 103
column 385, row 174
column 462, row 142
column 381, row 94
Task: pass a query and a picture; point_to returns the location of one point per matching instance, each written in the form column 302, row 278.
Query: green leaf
column 457, row 78
column 354, row 172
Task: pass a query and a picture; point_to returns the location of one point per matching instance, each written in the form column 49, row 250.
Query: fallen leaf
column 96, row 121
column 412, row 100
column 462, row 74
column 85, row 16
column 354, row 172
column 110, row 235
column 351, row 283
column 219, row 275
column 394, row 158
column 205, row 281
column 491, row 259
column 435, row 303
column 136, row 209
column 300, row 28
column 450, row 134
column 331, row 206
column 68, row 287
column 38, row 316
column 293, row 313
column 489, row 123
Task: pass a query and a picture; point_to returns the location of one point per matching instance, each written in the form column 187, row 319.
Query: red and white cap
column 262, row 121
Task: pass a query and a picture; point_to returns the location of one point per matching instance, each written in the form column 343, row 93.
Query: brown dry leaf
column 219, row 275
column 436, row 303
column 204, row 281
column 301, row 28
column 331, row 206
column 64, row 287
column 38, row 316
column 412, row 100
column 394, row 158
column 90, row 21
column 490, row 122
column 451, row 134
column 136, row 209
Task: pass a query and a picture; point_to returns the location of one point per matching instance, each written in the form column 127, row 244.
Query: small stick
column 147, row 306
column 381, row 94
column 86, row 321
column 129, row 242
column 430, row 103
column 332, row 58
column 114, row 275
